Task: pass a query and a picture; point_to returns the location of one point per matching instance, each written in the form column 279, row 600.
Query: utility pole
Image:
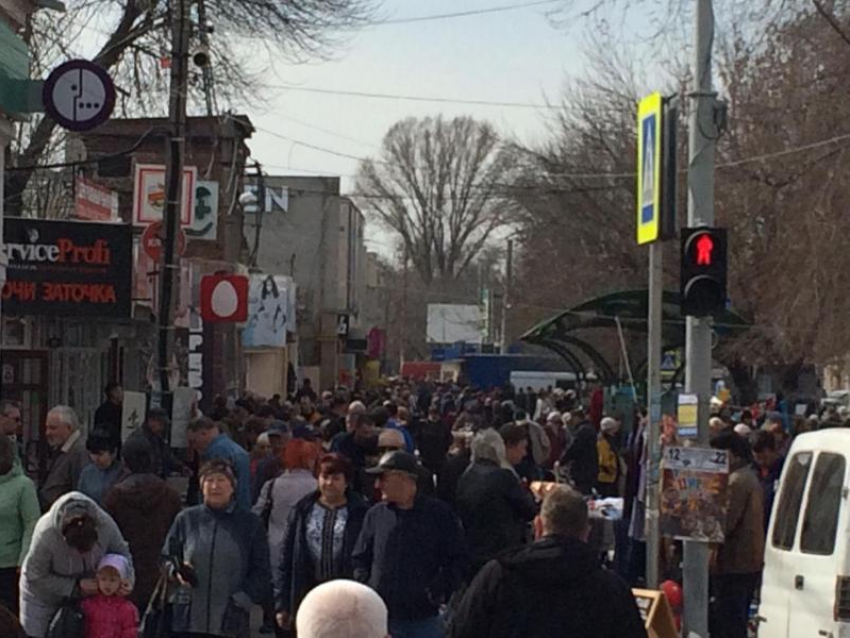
column 206, row 69
column 653, row 398
column 702, row 136
column 258, row 219
column 506, row 298
column 402, row 325
column 170, row 267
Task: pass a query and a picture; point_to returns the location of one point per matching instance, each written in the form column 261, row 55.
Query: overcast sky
column 512, row 56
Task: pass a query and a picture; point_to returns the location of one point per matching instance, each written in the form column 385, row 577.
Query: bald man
column 342, row 609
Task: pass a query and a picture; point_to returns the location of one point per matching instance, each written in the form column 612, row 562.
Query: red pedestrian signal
column 703, row 273
column 705, row 245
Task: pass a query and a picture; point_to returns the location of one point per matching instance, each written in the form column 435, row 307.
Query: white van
column 539, row 380
column 806, row 585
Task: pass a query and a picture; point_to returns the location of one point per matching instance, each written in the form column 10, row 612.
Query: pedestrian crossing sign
column 650, row 166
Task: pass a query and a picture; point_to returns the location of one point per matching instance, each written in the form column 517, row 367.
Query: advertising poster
column 182, row 411
column 270, row 313
column 132, row 413
column 95, row 202
column 693, row 493
column 688, row 416
column 205, row 224
column 67, row 269
column 149, row 194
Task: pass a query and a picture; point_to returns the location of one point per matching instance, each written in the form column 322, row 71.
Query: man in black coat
column 109, row 415
column 411, row 550
column 494, row 507
column 434, row 441
column 554, row 587
column 582, row 456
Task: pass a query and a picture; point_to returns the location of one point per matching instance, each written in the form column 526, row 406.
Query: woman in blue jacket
column 219, row 554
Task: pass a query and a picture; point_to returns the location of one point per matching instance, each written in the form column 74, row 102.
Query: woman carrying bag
column 218, row 555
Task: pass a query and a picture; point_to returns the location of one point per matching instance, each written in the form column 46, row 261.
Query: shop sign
column 67, row 269
column 149, row 194
column 94, row 202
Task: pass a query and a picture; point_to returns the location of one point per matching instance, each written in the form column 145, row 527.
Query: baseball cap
column 305, row 432
column 398, row 461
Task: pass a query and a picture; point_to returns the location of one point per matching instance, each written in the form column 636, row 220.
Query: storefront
column 66, row 315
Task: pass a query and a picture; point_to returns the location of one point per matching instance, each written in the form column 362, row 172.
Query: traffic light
column 703, row 274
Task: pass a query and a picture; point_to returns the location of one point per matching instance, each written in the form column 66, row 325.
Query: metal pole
column 169, row 275
column 506, row 298
column 403, row 323
column 702, row 135
column 653, row 400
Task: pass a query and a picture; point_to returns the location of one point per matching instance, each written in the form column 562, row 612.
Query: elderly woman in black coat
column 320, row 536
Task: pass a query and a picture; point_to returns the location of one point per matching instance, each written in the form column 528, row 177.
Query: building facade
column 316, row 236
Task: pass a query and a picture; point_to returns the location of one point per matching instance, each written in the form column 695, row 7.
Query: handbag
column 156, row 621
column 67, row 622
column 269, row 506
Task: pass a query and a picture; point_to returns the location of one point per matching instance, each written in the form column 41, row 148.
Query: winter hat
column 609, row 425
column 117, row 562
column 554, row 415
column 217, row 466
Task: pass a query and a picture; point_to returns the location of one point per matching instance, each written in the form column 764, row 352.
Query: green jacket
column 19, row 512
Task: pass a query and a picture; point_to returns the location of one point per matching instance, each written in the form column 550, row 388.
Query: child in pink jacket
column 109, row 614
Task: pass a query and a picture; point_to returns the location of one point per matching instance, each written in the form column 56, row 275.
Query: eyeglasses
column 384, row 450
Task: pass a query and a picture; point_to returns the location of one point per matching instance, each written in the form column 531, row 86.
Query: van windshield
column 788, row 511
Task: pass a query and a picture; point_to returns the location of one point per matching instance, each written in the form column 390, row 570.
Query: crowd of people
column 417, row 510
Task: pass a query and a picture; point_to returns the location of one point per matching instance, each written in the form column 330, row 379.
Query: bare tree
column 439, row 184
column 778, row 189
column 137, row 42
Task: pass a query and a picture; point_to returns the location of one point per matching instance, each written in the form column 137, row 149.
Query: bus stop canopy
column 627, row 310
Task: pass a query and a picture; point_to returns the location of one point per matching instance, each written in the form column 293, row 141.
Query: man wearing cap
column 411, row 550
column 163, row 460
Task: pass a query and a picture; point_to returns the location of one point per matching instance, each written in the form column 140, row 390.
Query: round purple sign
column 79, row 95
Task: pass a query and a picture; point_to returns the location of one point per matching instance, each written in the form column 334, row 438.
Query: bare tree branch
column 831, row 19
column 438, row 184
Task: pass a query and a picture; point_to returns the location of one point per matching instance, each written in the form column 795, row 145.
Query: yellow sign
column 649, row 169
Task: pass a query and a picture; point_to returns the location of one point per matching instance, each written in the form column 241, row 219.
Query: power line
column 626, row 175
column 463, row 14
column 410, row 98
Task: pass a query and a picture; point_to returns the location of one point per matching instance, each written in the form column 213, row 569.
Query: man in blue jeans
column 411, row 550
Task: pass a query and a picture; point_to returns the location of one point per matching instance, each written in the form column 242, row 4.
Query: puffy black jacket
column 551, row 589
column 494, row 509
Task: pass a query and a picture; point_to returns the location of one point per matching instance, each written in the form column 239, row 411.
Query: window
column 825, row 493
column 790, row 501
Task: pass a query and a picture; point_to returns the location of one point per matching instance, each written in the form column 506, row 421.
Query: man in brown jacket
column 143, row 506
column 739, row 560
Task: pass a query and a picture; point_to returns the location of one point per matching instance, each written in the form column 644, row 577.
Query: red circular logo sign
column 153, row 237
